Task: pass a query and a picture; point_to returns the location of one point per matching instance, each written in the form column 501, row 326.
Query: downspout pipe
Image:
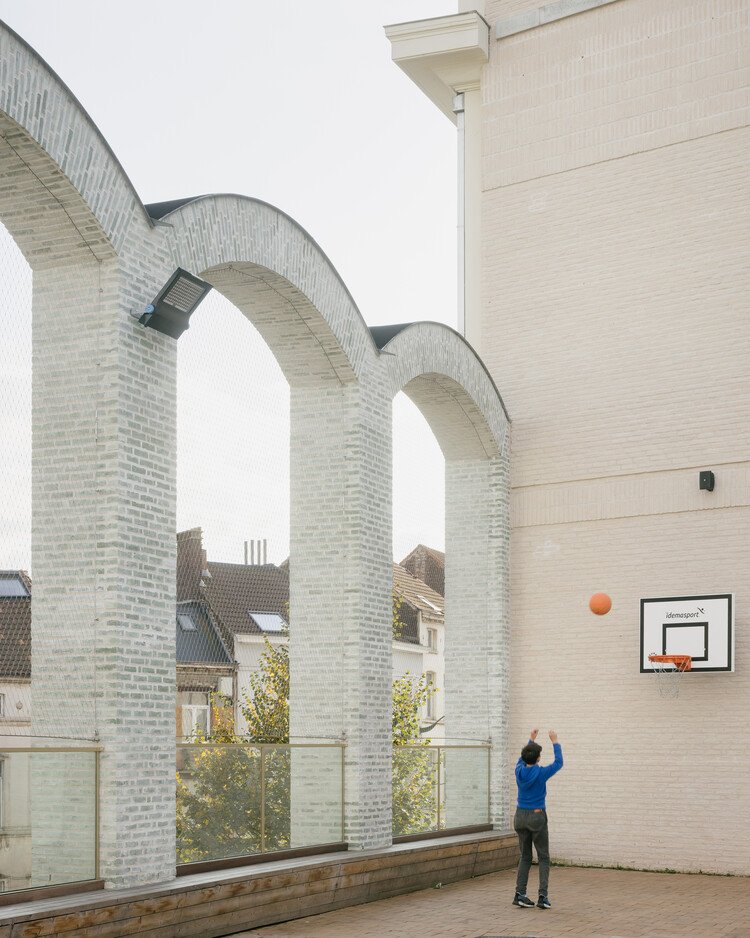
column 458, row 110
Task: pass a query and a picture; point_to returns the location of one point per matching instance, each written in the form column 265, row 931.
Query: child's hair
column 530, row 753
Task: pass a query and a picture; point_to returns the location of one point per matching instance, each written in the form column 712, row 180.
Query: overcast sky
column 296, row 103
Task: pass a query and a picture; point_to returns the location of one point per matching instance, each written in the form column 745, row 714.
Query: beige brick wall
column 615, row 216
column 647, row 782
column 614, row 318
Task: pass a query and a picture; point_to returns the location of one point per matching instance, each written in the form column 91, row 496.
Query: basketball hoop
column 669, row 670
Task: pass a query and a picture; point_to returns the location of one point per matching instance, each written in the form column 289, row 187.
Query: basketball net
column 669, row 670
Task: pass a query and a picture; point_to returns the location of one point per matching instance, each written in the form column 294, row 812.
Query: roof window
column 186, row 623
column 12, row 586
column 268, row 621
column 428, row 603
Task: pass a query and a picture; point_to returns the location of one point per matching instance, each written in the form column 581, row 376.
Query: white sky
column 296, row 103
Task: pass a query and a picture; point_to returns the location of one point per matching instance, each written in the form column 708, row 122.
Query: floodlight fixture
column 175, row 303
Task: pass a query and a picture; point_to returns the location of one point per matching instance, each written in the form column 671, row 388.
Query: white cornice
column 443, row 55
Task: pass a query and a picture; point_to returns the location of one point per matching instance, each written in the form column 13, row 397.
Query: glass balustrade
column 48, row 817
column 439, row 787
column 239, row 799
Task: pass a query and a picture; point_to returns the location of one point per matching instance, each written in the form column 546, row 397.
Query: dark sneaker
column 523, row 902
column 544, row 903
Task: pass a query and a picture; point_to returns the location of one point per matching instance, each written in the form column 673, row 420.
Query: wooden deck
column 223, row 902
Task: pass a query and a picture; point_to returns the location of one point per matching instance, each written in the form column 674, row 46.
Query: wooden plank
column 255, row 901
column 426, row 870
column 278, row 912
column 242, row 901
column 496, row 844
column 419, row 880
column 39, row 893
column 199, row 918
column 71, row 923
column 367, row 864
column 107, row 930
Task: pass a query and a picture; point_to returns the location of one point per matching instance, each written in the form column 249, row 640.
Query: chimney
column 257, row 555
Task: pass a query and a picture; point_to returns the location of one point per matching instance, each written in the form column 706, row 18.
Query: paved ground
column 587, row 904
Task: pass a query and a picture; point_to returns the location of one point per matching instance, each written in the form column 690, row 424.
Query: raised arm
column 532, row 736
column 549, row 770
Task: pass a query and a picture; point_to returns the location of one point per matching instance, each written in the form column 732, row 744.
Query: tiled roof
column 418, row 594
column 15, row 629
column 428, row 565
column 233, row 590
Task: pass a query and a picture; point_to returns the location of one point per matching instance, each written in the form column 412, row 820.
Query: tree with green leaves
column 398, row 625
column 415, row 763
column 220, row 780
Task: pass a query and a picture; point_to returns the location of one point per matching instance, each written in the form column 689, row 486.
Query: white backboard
column 699, row 626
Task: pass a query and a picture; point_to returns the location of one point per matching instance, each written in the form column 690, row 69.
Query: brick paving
column 587, row 904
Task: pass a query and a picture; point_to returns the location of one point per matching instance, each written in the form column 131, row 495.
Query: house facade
column 248, row 606
column 15, row 721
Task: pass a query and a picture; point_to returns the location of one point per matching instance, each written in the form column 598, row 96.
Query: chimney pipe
column 256, row 552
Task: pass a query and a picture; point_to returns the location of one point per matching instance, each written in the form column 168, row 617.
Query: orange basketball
column 600, row 604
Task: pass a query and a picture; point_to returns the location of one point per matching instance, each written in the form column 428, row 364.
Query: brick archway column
column 477, row 636
column 103, row 603
column 340, row 585
column 449, row 384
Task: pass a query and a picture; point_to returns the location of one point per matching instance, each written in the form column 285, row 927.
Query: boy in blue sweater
column 531, row 817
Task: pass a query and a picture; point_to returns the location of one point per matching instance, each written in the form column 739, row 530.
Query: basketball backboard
column 699, row 626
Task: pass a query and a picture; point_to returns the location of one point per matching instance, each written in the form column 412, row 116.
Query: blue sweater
column 532, row 780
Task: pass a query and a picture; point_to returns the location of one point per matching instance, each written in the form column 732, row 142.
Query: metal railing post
column 439, row 750
column 343, row 793
column 97, row 777
column 262, row 799
column 489, row 785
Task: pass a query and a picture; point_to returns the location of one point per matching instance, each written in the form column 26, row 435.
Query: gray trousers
column 531, row 827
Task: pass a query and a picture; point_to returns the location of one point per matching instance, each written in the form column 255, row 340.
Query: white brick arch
column 63, row 195
column 104, row 456
column 447, row 381
column 276, row 274
column 441, row 373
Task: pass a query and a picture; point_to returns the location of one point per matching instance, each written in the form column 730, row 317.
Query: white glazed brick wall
column 319, row 567
column 477, row 638
column 77, row 180
column 368, row 597
column 615, row 276
column 439, row 372
column 103, row 554
column 271, row 269
column 104, row 466
column 69, row 360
